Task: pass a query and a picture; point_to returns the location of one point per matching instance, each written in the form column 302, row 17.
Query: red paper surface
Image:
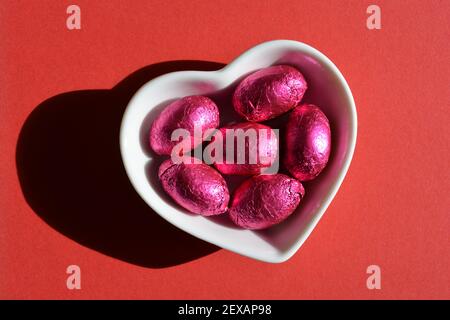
column 392, row 209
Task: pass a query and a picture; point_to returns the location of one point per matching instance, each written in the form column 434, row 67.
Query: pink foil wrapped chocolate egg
column 265, row 200
column 254, row 148
column 307, row 142
column 185, row 113
column 195, row 186
column 269, row 92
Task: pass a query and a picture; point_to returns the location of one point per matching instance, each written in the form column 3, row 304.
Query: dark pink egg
column 265, row 200
column 307, row 141
column 254, row 148
column 195, row 186
column 269, row 92
column 185, row 113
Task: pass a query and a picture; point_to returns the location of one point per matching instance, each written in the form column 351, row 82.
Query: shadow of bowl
column 71, row 174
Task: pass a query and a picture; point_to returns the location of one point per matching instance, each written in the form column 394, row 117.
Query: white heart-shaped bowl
column 326, row 87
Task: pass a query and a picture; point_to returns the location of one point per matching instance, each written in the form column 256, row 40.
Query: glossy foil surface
column 269, row 92
column 185, row 113
column 196, row 187
column 265, row 200
column 307, row 142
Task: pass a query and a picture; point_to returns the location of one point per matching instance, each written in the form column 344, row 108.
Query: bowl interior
column 326, row 88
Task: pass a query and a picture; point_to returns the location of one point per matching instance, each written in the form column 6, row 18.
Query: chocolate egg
column 195, row 186
column 265, row 200
column 185, row 113
column 254, row 148
column 269, row 92
column 307, row 142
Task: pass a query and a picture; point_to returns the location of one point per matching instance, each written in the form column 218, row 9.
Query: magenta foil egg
column 269, row 92
column 265, row 200
column 307, row 142
column 185, row 113
column 254, row 148
column 195, row 186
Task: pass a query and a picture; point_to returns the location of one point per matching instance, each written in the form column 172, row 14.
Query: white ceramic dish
column 327, row 88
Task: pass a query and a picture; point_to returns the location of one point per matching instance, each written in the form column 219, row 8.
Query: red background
column 392, row 209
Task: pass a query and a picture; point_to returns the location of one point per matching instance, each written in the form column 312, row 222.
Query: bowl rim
column 227, row 73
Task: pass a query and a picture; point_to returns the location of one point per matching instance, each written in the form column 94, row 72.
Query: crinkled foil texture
column 307, row 142
column 269, row 92
column 196, row 187
column 265, row 200
column 185, row 113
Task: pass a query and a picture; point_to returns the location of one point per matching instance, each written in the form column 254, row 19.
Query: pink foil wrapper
column 265, row 200
column 185, row 113
column 307, row 142
column 269, row 92
column 195, row 186
column 258, row 155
